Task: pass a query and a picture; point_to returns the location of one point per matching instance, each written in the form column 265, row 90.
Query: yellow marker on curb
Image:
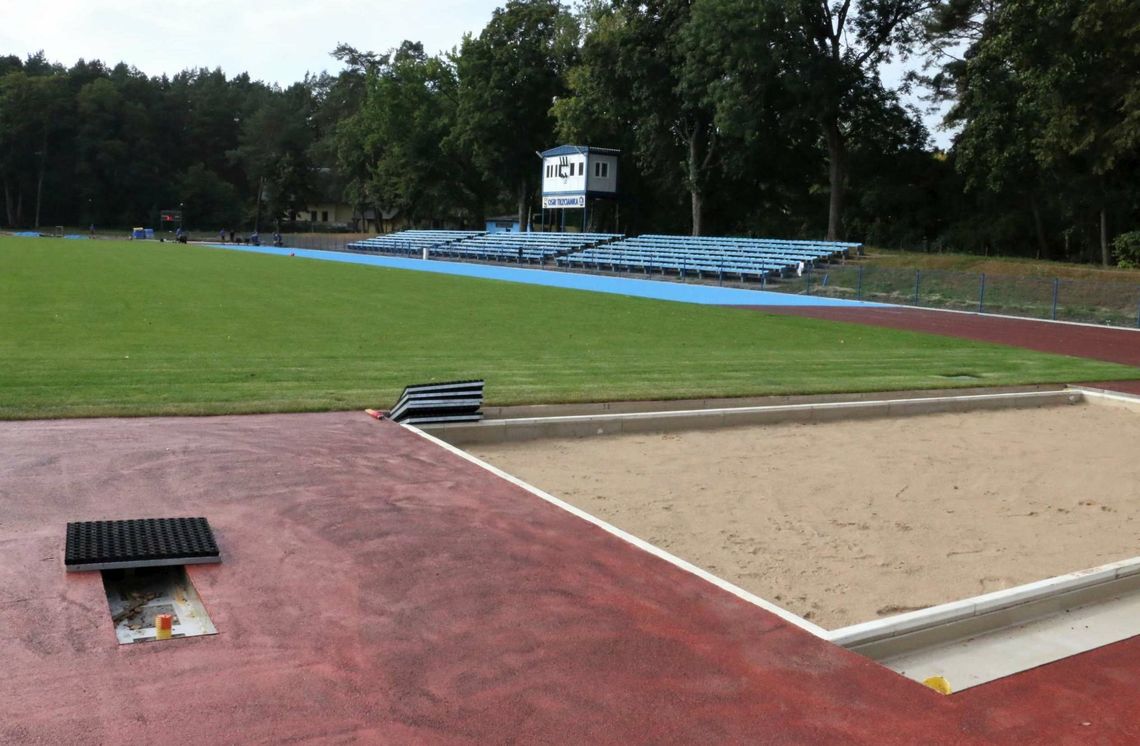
column 163, row 625
column 938, row 684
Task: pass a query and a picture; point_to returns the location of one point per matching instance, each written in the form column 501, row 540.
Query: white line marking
column 984, row 314
column 631, row 539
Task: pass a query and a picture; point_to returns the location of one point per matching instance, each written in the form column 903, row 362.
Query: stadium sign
column 576, row 201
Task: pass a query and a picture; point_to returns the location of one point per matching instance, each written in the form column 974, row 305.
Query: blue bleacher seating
column 706, row 256
column 410, row 243
column 530, row 248
column 748, row 259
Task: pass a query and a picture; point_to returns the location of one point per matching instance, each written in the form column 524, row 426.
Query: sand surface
column 852, row 521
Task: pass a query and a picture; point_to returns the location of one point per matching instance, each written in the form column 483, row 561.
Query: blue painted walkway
column 657, row 289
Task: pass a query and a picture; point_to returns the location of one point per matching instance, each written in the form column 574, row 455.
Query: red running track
column 1115, row 345
column 379, row 589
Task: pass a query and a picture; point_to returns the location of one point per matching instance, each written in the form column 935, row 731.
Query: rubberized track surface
column 619, row 285
column 377, row 588
column 1095, row 342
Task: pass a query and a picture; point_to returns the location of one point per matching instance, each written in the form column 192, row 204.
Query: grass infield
column 102, row 328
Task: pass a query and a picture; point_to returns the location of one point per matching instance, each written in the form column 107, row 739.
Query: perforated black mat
column 144, row 542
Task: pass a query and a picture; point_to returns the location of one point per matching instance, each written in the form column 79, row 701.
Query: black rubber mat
column 144, row 541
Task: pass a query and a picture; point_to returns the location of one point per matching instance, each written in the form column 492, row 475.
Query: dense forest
column 759, row 117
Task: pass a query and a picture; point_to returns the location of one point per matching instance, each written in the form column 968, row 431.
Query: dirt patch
column 1000, row 267
column 850, row 521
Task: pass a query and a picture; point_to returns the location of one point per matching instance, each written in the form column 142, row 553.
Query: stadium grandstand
column 749, row 259
column 746, row 258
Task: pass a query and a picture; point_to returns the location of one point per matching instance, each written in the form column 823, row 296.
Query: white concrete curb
column 936, row 616
column 526, row 428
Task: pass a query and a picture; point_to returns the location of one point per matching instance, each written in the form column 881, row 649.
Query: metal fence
column 319, row 241
column 1112, row 303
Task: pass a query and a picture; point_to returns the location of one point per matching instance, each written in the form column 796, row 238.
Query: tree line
column 753, row 117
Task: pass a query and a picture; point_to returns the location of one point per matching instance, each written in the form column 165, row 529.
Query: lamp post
column 181, row 206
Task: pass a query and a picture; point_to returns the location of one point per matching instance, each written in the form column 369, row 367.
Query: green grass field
column 98, row 328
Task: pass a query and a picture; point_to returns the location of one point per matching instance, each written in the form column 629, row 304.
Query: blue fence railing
column 1112, row 303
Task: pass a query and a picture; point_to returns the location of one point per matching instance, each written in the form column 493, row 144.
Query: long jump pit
column 953, row 538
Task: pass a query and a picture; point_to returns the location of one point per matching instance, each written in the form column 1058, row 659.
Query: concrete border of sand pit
column 1104, row 397
column 881, row 638
column 583, row 425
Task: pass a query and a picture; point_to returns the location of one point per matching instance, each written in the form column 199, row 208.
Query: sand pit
column 851, row 521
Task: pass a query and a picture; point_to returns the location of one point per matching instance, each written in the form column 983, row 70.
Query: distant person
column 180, row 235
column 255, row 239
column 92, row 230
column 222, row 236
column 277, row 241
column 232, row 237
column 800, row 269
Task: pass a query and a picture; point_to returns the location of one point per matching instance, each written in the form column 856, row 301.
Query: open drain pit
column 138, row 598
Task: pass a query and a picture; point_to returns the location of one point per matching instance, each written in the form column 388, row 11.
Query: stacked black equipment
column 437, row 403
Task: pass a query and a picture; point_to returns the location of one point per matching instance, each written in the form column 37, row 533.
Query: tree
column 509, row 78
column 833, row 50
column 16, row 138
column 1080, row 70
column 213, row 201
column 635, row 72
column 995, row 150
column 402, row 132
column 337, row 99
column 340, row 146
column 103, row 150
column 273, row 150
column 741, row 116
column 33, row 109
column 1047, row 94
column 732, row 69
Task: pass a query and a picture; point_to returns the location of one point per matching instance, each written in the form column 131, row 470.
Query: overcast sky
column 273, row 41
